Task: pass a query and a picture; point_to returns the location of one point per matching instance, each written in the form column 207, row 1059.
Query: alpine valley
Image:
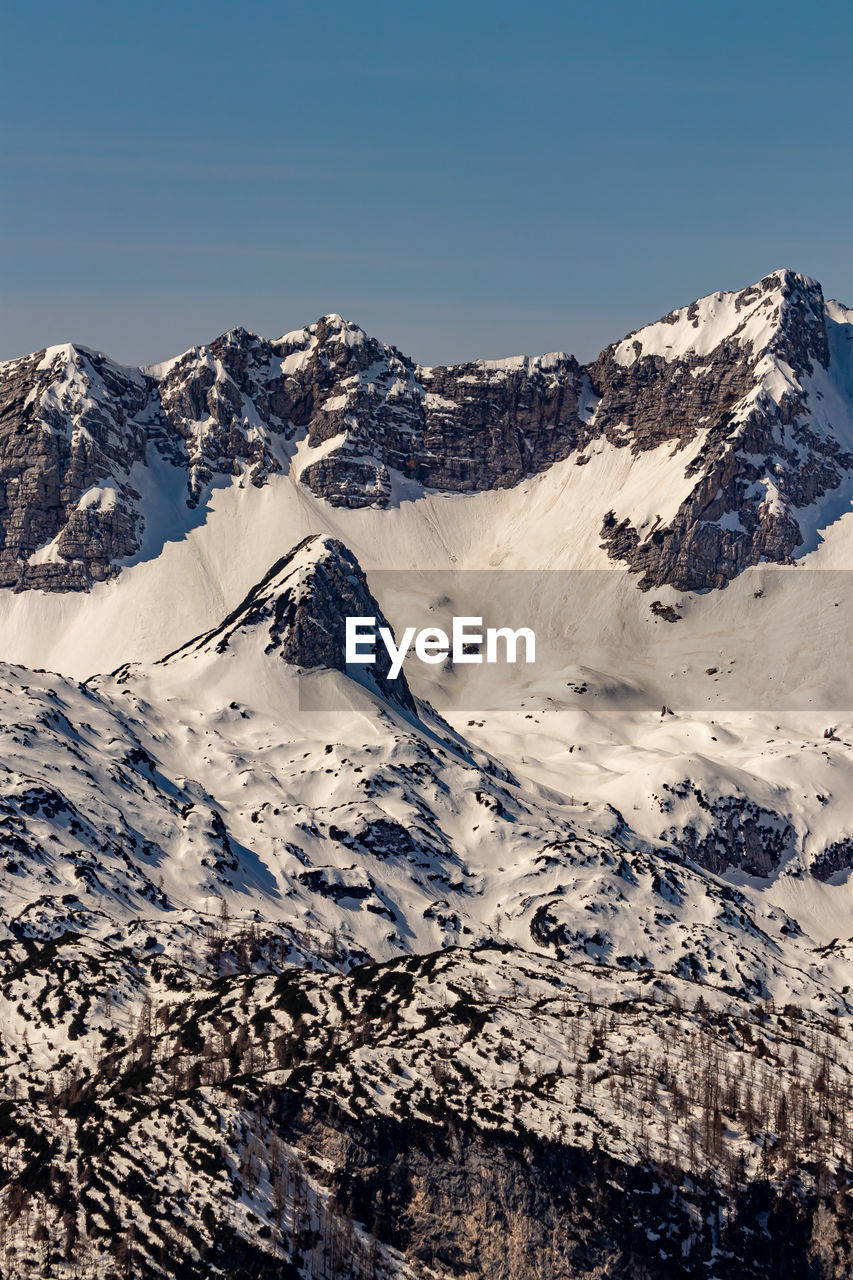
column 528, row 973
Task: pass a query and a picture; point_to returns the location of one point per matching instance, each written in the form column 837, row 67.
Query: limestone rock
column 738, row 385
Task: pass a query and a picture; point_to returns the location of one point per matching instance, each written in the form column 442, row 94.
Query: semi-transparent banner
column 774, row 639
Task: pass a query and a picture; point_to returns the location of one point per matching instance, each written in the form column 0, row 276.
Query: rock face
column 68, row 442
column 79, row 433
column 836, row 856
column 476, row 426
column 735, row 833
column 751, row 389
column 222, row 410
column 741, row 377
column 302, row 604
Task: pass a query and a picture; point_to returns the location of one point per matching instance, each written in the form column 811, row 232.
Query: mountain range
column 306, row 971
column 741, row 401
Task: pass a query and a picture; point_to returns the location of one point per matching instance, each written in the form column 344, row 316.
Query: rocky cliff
column 745, row 396
column 747, row 379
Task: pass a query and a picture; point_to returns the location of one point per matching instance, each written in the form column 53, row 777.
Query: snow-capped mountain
column 309, row 971
column 753, row 391
column 144, row 798
column 739, row 407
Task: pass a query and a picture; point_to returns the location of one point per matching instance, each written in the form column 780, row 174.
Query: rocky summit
column 302, row 605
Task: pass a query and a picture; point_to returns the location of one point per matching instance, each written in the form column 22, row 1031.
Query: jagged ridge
column 747, row 395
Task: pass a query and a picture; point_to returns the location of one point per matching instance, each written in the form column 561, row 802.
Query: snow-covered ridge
column 751, row 317
column 730, row 397
column 142, row 794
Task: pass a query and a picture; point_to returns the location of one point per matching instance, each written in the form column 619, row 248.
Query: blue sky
column 464, row 179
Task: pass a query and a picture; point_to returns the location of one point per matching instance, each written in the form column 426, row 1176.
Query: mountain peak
column 783, row 313
column 301, row 604
column 786, row 278
column 332, row 320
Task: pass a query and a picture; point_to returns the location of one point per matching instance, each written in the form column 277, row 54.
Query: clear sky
column 463, row 179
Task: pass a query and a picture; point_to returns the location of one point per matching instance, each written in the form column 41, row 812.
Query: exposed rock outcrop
column 836, row 856
column 302, row 604
column 68, row 441
column 731, row 832
column 484, row 425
